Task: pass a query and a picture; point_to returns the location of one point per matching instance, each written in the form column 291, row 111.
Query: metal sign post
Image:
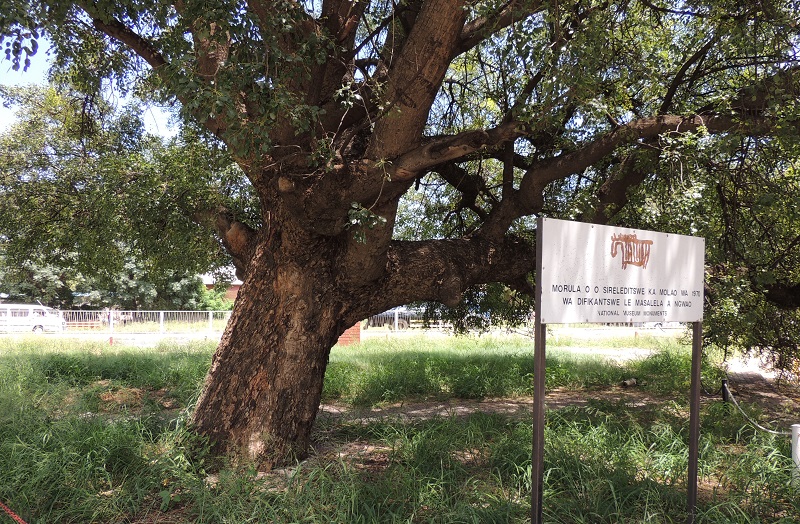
column 796, row 454
column 537, row 459
column 539, row 342
column 694, row 421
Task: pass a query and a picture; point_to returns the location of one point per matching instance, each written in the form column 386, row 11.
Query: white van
column 29, row 318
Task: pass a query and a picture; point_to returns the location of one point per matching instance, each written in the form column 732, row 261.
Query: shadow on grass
column 369, row 379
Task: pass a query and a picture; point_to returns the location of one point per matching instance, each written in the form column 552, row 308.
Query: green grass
column 379, row 371
column 93, row 433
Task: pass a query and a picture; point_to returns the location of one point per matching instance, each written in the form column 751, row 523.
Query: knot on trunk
column 239, row 240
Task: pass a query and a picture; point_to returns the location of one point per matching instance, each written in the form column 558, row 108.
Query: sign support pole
column 694, row 421
column 537, row 459
column 539, row 342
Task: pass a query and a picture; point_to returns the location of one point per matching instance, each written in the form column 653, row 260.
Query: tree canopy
column 472, row 118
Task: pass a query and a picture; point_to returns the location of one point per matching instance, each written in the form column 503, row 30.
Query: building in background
column 210, row 280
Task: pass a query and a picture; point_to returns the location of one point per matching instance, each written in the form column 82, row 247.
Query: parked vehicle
column 20, row 318
column 399, row 318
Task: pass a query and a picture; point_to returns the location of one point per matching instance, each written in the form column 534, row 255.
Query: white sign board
column 593, row 273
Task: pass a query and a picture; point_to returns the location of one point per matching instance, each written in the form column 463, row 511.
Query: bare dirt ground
column 777, row 396
column 519, row 407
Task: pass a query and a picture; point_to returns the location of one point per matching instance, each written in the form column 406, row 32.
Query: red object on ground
column 11, row 514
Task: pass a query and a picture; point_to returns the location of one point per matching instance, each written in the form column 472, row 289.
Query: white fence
column 212, row 323
column 395, row 319
column 144, row 322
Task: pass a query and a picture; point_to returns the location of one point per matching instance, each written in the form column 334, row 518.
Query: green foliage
column 612, row 65
column 18, row 33
column 482, row 307
column 133, row 287
column 743, row 196
column 93, row 206
column 360, row 218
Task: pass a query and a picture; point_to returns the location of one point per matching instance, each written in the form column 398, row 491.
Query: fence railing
column 135, row 322
column 121, row 322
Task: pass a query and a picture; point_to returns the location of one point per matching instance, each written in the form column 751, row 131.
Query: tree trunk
column 301, row 291
column 263, row 390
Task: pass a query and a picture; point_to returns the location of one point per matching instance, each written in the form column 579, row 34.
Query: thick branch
column 785, row 296
column 139, row 45
column 469, row 185
column 781, row 87
column 476, row 31
column 542, row 173
column 143, row 48
column 449, row 148
column 397, row 25
column 452, row 266
column 681, row 74
column 415, row 78
column 239, row 240
column 340, row 18
column 666, row 10
column 211, row 52
column 613, row 194
column 261, row 10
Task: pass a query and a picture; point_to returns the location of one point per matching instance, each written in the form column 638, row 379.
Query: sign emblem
column 634, row 251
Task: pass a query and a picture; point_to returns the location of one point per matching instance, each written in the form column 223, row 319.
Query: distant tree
column 95, row 212
column 132, row 288
column 498, row 110
column 49, row 285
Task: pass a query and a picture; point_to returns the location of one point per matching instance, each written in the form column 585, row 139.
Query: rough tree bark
column 263, row 389
column 307, row 279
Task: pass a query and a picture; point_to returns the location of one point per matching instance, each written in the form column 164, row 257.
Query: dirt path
column 518, row 407
column 778, row 399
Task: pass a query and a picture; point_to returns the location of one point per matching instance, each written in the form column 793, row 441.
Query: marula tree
column 497, row 110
